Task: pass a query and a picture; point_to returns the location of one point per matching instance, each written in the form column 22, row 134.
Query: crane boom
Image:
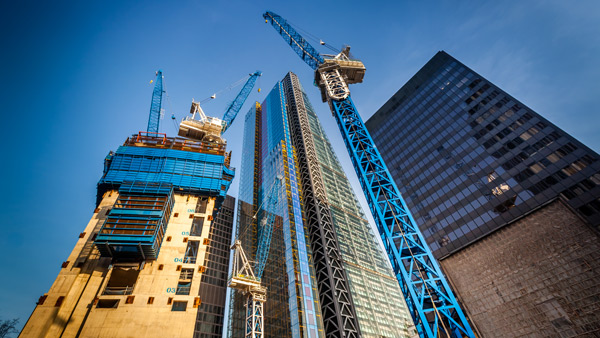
column 265, row 231
column 432, row 305
column 304, row 50
column 239, row 100
column 154, row 118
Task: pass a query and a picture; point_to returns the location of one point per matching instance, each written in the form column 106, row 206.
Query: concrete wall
column 537, row 277
column 82, row 281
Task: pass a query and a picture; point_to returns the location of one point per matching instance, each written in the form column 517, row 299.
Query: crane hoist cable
column 227, row 88
column 314, row 38
column 169, row 104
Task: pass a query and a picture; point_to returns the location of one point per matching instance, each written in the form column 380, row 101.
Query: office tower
column 283, row 136
column 487, row 179
column 152, row 261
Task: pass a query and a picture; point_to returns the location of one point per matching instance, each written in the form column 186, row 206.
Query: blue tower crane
column 154, row 118
column 236, row 105
column 432, row 305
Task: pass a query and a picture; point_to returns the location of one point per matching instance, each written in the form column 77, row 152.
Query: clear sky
column 76, row 84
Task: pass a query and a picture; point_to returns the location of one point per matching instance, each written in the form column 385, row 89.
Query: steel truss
column 155, row 107
column 254, row 315
column 339, row 315
column 432, row 304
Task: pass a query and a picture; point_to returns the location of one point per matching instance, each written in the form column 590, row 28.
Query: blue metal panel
column 185, row 170
column 116, row 238
column 432, row 304
column 137, row 212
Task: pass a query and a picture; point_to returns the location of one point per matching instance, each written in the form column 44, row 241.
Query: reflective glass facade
column 268, row 150
column 378, row 300
column 209, row 321
column 292, row 308
column 468, row 157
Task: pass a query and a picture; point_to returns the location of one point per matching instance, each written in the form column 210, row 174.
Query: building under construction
column 154, row 238
column 283, row 137
column 153, row 259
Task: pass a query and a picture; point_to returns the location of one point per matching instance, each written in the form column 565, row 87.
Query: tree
column 7, row 327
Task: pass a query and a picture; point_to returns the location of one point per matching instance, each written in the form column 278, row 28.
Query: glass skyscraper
column 470, row 158
column 273, row 146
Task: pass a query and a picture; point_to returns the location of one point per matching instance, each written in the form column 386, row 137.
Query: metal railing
column 118, row 290
column 183, row 290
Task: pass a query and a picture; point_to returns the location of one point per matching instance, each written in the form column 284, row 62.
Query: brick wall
column 537, row 277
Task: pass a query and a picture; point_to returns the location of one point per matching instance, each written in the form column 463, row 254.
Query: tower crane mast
column 432, row 305
column 155, row 106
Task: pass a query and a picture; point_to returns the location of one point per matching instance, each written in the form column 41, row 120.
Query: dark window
column 201, row 205
column 191, row 252
column 185, row 281
column 595, row 205
column 108, row 303
column 197, row 224
column 588, row 184
column 566, row 149
column 42, row 299
column 186, row 274
column 586, row 210
column 568, row 194
column 183, row 288
column 122, row 280
column 474, row 83
column 588, row 159
column 551, row 180
column 179, row 306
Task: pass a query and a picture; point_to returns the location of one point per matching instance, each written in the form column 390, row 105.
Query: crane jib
column 239, row 100
column 304, row 49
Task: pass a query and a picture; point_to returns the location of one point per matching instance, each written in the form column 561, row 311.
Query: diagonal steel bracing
column 339, row 315
column 433, row 307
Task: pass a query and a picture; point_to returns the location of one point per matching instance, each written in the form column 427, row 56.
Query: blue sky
column 76, row 84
